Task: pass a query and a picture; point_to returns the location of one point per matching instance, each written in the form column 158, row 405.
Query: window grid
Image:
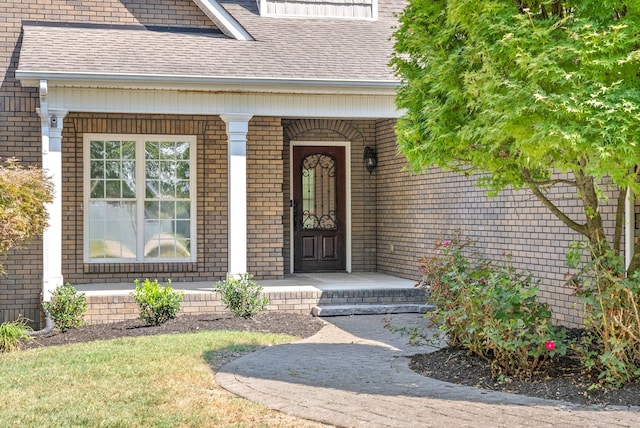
column 161, row 202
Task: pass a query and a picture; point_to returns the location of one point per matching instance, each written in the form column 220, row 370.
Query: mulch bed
column 566, row 380
column 266, row 322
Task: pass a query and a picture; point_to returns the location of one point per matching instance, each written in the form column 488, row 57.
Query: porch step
column 342, row 310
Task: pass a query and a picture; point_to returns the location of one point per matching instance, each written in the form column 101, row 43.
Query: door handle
column 295, row 214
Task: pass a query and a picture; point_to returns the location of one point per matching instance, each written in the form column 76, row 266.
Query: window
column 139, row 198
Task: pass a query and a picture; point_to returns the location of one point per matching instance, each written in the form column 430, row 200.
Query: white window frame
column 140, row 140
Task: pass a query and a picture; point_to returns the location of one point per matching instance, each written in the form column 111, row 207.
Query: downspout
column 48, row 326
column 629, row 226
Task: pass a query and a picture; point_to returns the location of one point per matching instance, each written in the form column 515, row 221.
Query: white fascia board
column 223, row 20
column 200, row 83
column 151, row 101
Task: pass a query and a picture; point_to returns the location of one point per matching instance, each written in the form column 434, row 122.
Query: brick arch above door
column 343, row 128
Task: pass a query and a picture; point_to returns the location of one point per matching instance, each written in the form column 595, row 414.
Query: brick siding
column 20, row 125
column 414, row 211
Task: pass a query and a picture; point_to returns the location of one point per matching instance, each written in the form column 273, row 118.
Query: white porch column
column 237, row 128
column 51, row 128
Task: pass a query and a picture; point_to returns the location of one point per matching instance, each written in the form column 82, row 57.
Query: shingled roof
column 302, row 49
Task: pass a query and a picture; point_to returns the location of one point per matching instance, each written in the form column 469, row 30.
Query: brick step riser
column 114, row 308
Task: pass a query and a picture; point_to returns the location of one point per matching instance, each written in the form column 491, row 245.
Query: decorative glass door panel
column 319, row 212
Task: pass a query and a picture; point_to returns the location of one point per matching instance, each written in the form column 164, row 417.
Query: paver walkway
column 354, row 372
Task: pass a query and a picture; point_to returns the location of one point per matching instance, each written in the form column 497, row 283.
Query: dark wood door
column 319, row 214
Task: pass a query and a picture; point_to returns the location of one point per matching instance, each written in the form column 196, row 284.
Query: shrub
column 489, row 310
column 611, row 302
column 13, row 333
column 67, row 307
column 157, row 303
column 23, row 194
column 242, row 295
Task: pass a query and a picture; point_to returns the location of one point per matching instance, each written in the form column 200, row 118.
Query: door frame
column 347, row 186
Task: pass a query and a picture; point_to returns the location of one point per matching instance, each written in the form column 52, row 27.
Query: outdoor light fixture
column 370, row 159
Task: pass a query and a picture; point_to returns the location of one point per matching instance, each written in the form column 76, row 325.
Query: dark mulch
column 266, row 322
column 564, row 380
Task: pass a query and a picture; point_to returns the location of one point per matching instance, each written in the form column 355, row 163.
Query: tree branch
column 581, row 229
column 548, row 183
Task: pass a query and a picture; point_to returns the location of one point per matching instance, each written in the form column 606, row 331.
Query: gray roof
column 284, row 48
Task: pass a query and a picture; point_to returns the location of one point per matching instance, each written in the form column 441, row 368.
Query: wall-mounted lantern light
column 370, row 159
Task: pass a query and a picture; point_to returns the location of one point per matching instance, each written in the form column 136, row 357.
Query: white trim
column 100, row 100
column 52, row 122
column 263, row 9
column 237, row 127
column 374, row 10
column 140, row 192
column 223, row 20
column 207, row 83
column 347, row 184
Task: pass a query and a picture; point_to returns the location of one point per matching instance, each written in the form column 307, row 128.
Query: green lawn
column 155, row 381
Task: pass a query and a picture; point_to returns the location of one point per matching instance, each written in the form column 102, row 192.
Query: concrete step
column 342, row 310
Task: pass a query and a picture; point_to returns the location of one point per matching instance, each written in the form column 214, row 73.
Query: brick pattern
column 363, row 186
column 414, row 211
column 265, row 211
column 114, row 308
column 265, row 208
column 211, row 167
column 20, row 125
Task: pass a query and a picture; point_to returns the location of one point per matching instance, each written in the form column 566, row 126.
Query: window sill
column 140, row 267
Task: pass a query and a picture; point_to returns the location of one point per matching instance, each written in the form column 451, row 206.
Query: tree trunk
column 594, row 227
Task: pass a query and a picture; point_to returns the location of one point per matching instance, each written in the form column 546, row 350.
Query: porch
column 321, row 294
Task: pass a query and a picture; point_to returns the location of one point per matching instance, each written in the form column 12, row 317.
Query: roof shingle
column 284, row 48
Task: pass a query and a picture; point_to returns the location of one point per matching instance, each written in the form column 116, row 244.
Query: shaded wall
column 414, row 211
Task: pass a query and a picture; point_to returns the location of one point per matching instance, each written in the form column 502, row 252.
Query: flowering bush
column 489, row 310
column 611, row 301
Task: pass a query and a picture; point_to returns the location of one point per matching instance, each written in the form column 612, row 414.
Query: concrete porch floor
column 293, row 282
column 321, row 294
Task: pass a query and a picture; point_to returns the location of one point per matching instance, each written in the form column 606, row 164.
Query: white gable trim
column 223, row 20
column 327, row 9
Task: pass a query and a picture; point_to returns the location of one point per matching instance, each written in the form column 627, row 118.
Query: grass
column 154, row 381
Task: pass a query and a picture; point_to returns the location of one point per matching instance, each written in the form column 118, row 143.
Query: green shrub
column 242, row 295
column 489, row 310
column 67, row 307
column 157, row 303
column 612, row 305
column 13, row 333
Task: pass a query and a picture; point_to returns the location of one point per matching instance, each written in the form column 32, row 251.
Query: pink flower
column 445, row 243
column 550, row 345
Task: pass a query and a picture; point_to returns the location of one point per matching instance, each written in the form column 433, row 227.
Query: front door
column 319, row 220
